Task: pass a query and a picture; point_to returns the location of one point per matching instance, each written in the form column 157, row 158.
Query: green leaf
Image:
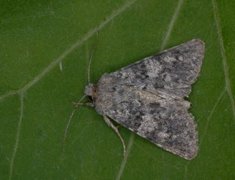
column 44, row 53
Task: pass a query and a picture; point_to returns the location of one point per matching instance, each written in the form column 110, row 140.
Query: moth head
column 90, row 90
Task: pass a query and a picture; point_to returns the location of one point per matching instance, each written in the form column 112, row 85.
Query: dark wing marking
column 147, row 97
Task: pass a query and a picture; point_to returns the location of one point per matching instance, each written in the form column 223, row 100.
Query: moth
column 149, row 98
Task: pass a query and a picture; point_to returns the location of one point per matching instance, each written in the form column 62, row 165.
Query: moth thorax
column 90, row 90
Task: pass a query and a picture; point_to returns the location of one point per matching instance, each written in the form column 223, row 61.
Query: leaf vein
column 171, row 24
column 18, row 131
column 211, row 114
column 8, row 94
column 75, row 45
column 223, row 54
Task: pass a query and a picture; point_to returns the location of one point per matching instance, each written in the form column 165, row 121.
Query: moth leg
column 80, row 103
column 110, row 124
column 77, row 104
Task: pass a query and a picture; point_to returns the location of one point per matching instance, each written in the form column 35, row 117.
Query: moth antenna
column 90, row 61
column 67, row 125
column 70, row 119
column 110, row 124
column 89, row 68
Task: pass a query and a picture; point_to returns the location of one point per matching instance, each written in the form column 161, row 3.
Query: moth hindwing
column 148, row 97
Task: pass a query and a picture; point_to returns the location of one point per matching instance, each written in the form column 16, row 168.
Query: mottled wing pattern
column 172, row 71
column 148, row 97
